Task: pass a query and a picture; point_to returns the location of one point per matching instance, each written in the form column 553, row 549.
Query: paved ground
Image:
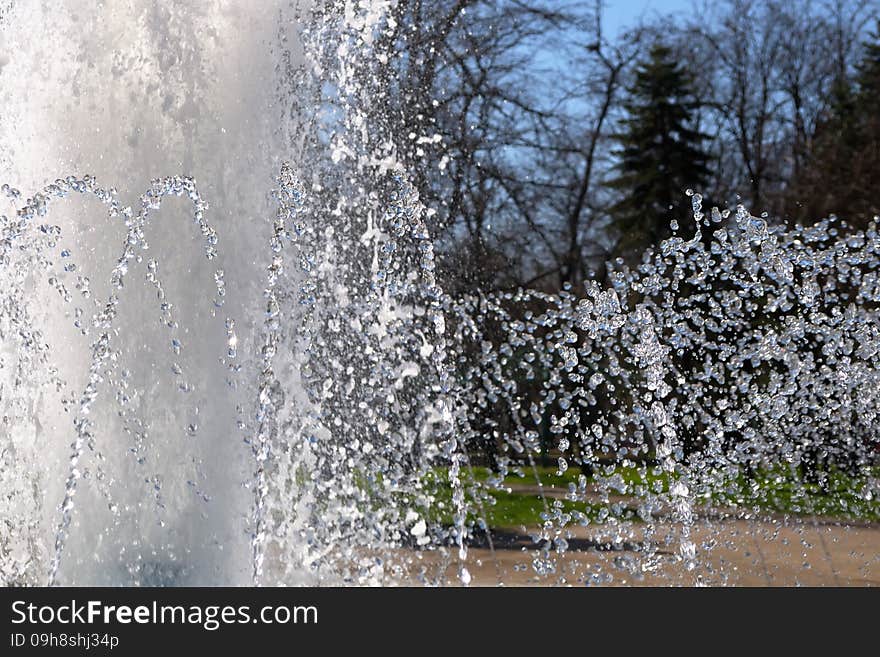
column 728, row 552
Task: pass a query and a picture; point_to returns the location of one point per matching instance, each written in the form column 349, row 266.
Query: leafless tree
column 769, row 67
column 502, row 113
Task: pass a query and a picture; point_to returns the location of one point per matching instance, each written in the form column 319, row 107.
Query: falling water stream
column 226, row 356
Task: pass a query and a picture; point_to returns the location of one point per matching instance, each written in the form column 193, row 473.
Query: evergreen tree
column 661, row 154
column 869, row 72
column 843, row 174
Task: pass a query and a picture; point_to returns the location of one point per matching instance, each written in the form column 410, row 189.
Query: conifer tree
column 661, row 154
column 843, row 176
column 869, row 71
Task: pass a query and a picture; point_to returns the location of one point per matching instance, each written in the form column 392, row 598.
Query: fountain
column 289, row 396
column 98, row 108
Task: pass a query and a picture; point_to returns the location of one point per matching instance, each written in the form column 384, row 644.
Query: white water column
column 131, row 91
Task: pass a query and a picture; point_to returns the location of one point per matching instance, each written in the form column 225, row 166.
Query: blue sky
column 621, row 14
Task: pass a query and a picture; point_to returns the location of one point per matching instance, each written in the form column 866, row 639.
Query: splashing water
column 319, row 410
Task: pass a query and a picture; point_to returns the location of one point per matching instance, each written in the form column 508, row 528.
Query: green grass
column 507, row 505
column 782, row 491
column 514, row 501
column 519, row 509
column 549, row 477
column 501, row 509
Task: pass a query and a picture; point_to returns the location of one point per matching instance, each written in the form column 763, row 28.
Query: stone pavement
column 799, row 552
